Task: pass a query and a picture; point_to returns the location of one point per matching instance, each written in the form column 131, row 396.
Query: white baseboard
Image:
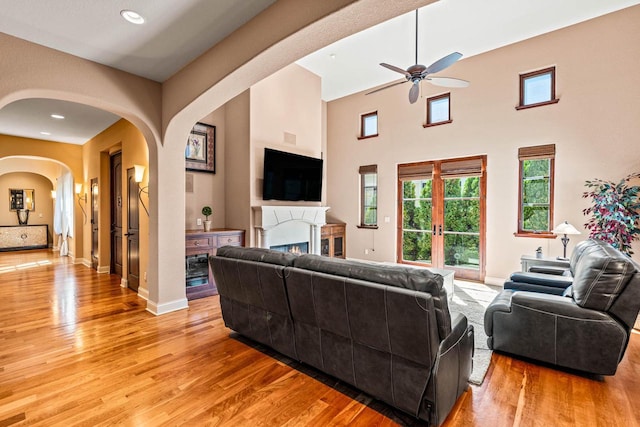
column 494, row 281
column 123, row 282
column 104, row 269
column 167, row 307
column 143, row 293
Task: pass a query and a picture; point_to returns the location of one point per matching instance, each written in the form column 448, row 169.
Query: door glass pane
column 462, row 251
column 462, row 222
column 416, row 246
column 416, row 220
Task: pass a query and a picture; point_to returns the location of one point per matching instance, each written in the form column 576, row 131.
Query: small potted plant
column 206, row 211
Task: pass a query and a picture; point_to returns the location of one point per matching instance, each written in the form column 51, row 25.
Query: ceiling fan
column 416, row 73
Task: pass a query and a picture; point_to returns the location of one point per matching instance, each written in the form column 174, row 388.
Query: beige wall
column 43, row 212
column 121, row 136
column 237, row 160
column 283, row 112
column 209, row 189
column 285, row 115
column 595, row 128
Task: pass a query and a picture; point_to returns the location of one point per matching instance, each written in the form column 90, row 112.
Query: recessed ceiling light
column 57, row 116
column 45, row 133
column 332, row 56
column 133, row 17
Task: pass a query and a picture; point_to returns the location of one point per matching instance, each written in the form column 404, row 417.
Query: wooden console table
column 21, row 237
column 199, row 245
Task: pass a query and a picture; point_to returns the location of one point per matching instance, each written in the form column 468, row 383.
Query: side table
column 528, row 261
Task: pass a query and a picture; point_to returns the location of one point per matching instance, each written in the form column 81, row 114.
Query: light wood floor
column 77, row 349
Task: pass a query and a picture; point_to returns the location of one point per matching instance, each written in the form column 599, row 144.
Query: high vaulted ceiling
column 176, row 32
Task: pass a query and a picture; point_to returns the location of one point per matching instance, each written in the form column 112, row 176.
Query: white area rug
column 471, row 299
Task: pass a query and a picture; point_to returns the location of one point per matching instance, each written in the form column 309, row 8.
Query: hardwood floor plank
column 78, row 349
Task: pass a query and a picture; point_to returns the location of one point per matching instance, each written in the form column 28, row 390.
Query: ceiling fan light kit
column 418, row 72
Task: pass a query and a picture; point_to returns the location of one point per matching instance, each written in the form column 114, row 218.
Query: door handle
column 440, row 230
column 434, row 229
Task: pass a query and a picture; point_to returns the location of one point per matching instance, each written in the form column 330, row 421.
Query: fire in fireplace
column 293, row 248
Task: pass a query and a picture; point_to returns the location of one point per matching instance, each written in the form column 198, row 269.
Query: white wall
column 595, row 128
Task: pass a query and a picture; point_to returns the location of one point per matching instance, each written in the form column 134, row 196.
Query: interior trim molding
column 168, row 307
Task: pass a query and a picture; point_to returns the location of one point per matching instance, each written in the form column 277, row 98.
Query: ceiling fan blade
column 414, row 92
column 386, row 87
column 396, row 69
column 447, row 82
column 442, row 63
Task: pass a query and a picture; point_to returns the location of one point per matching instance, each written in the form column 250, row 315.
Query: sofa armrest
column 452, row 368
column 501, row 303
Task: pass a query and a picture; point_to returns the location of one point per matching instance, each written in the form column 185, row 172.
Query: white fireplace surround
column 281, row 225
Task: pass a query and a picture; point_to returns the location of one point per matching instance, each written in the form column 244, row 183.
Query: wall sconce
column 81, row 197
column 53, row 194
column 137, row 177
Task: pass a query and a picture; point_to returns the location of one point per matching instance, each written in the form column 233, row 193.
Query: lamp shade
column 139, row 173
column 78, row 188
column 565, row 228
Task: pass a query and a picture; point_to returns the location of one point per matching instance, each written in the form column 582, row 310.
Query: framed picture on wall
column 200, row 152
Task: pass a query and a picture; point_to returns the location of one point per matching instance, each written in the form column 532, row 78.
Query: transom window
column 535, row 211
column 368, row 196
column 538, row 88
column 369, row 125
column 438, row 110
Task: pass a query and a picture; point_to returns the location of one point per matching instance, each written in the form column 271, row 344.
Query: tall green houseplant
column 615, row 212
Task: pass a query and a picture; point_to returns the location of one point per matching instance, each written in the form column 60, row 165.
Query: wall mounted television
column 291, row 177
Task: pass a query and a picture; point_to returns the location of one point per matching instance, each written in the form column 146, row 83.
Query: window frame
column 436, row 98
column 363, row 171
column 539, row 152
column 525, row 76
column 363, row 118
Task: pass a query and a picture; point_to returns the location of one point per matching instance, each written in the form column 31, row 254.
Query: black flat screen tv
column 292, row 177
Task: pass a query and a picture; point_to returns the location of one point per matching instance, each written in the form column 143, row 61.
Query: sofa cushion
column 600, row 275
column 257, row 254
column 417, row 279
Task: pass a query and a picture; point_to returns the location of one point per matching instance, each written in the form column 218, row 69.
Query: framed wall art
column 200, row 152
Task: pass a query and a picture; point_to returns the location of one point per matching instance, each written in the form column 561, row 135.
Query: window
column 535, row 199
column 538, row 88
column 438, row 110
column 368, row 125
column 368, row 196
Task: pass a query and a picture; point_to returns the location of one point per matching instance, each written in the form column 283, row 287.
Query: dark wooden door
column 116, row 214
column 94, row 223
column 133, row 232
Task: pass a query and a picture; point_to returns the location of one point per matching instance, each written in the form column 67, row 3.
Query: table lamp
column 565, row 228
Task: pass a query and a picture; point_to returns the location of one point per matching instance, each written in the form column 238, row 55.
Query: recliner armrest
column 459, row 326
column 557, row 305
column 549, row 280
column 557, row 271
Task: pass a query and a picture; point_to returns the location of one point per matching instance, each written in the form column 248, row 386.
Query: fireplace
column 293, row 248
column 289, row 225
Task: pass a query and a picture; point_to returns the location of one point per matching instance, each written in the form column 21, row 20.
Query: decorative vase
column 207, row 225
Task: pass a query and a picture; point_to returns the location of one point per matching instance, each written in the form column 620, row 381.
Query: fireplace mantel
column 267, row 219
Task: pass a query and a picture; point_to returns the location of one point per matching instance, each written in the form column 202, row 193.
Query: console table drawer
column 230, row 240
column 203, row 242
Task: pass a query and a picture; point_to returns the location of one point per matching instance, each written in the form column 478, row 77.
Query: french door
column 441, row 215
